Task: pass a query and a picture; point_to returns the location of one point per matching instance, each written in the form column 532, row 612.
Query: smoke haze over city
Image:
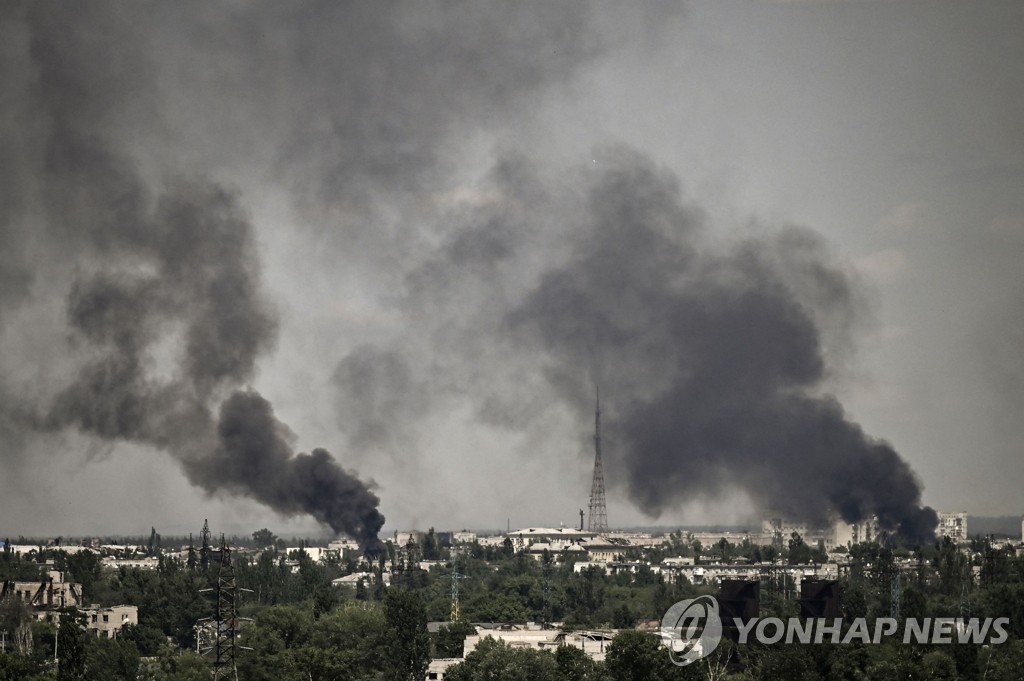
column 319, row 264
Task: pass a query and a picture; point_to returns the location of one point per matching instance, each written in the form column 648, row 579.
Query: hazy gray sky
column 439, row 205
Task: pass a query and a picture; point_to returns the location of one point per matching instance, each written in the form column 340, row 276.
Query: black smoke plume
column 715, row 359
column 517, row 286
column 165, row 302
column 253, row 458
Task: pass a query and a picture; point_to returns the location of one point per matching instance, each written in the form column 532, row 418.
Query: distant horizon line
column 665, row 529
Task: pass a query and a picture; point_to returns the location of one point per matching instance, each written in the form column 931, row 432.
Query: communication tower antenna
column 598, row 521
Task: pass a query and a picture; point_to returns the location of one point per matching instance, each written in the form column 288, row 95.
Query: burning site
column 354, row 272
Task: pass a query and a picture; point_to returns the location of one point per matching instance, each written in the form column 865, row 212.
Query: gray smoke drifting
column 192, row 271
column 716, row 356
column 451, row 295
column 165, row 305
column 715, row 359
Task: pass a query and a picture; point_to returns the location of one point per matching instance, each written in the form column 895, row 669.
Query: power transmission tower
column 598, row 521
column 225, row 618
column 456, row 576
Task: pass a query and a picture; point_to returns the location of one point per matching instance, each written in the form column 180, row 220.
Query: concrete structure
column 604, row 550
column 368, row 578
column 343, row 546
column 463, row 537
column 108, row 622
column 715, row 573
column 318, row 554
column 576, row 551
column 847, row 534
column 954, row 526
column 557, row 538
column 402, row 539
column 438, row 667
column 532, row 636
column 782, row 527
column 593, row 643
column 49, row 593
column 778, row 530
column 150, row 563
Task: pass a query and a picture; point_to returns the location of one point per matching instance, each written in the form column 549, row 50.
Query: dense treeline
column 303, row 627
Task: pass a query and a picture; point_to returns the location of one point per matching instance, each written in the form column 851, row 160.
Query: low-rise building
column 463, row 537
column 714, row 573
column 148, row 563
column 557, row 538
column 108, row 622
column 593, row 643
column 49, row 593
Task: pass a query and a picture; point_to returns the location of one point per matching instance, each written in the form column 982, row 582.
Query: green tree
column 70, row 650
column 15, row 667
column 346, row 644
column 451, row 638
column 85, row 568
column 936, row 665
column 181, row 665
column 623, row 617
column 799, row 552
column 638, row 656
column 148, row 640
column 408, row 644
column 264, row 538
column 112, row 659
column 497, row 661
column 576, row 665
column 153, row 545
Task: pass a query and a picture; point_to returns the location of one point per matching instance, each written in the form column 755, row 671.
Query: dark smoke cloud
column 527, row 285
column 715, row 360
column 254, row 458
column 716, row 356
column 165, row 302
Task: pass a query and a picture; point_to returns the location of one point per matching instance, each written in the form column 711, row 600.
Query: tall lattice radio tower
column 598, row 520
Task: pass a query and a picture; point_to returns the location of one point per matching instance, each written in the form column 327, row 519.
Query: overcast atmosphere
column 328, row 266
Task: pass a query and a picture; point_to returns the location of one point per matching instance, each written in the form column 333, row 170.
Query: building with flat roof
column 953, row 525
column 48, row 593
column 108, row 622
